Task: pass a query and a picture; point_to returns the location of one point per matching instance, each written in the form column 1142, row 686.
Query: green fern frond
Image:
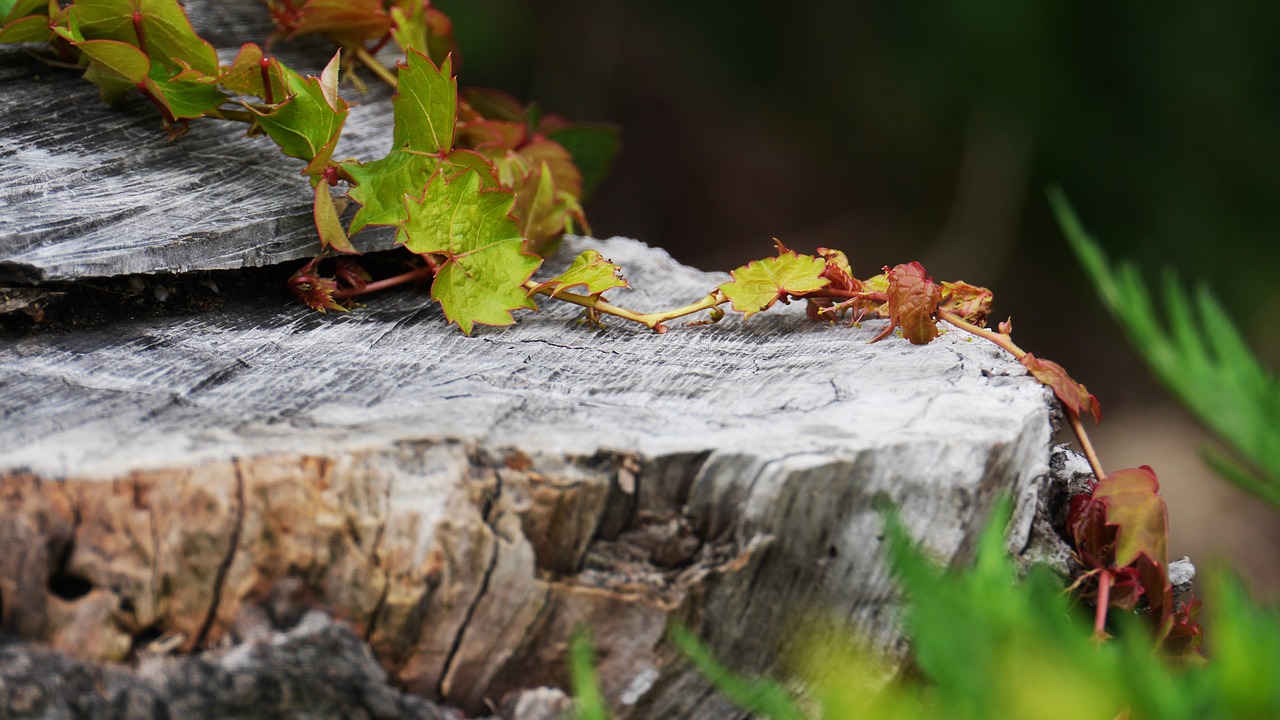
column 1198, row 354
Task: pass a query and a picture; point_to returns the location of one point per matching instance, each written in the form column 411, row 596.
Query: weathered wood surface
column 89, row 190
column 465, row 502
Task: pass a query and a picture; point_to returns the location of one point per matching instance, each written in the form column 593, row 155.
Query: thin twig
column 368, row 60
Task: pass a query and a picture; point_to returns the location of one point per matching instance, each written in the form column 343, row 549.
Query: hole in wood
column 69, row 586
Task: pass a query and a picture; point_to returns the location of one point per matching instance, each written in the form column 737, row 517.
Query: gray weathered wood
column 466, row 502
column 89, row 190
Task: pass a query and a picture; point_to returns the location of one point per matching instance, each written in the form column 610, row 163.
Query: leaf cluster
column 479, row 187
column 1198, row 353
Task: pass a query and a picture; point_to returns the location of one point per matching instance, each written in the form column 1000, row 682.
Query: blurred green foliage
column 987, row 645
column 1198, row 354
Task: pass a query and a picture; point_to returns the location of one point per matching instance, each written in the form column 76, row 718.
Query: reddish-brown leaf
column 1135, row 507
column 1074, row 396
column 913, row 302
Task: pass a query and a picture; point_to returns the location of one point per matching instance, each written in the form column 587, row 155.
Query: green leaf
column 244, row 76
column 308, row 123
column 33, row 28
column 328, row 224
column 24, row 21
column 425, row 105
column 540, row 210
column 482, row 278
column 166, row 34
column 758, row 285
column 381, row 186
column 593, row 147
column 183, row 98
column 116, row 60
column 590, row 271
column 409, row 28
column 1198, row 353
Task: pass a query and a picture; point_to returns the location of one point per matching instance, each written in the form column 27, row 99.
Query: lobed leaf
column 482, row 278
column 425, row 105
column 1135, row 507
column 756, row 286
column 381, row 186
column 590, row 271
column 307, row 124
column 1074, row 396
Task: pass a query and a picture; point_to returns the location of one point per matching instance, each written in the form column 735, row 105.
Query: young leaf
column 756, row 286
column 551, row 155
column 25, row 21
column 425, row 105
column 116, row 60
column 542, row 211
column 245, row 76
column 328, row 224
column 159, row 28
column 420, row 27
column 1074, row 396
column 11, row 10
column 348, row 22
column 182, row 98
column 381, row 186
column 482, row 278
column 308, row 123
column 913, row 302
column 1135, row 507
column 590, row 271
column 970, row 302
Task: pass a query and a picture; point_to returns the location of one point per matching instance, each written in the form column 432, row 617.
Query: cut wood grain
column 465, row 503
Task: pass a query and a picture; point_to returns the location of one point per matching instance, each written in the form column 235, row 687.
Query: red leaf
column 913, row 302
column 1074, row 396
column 1138, row 512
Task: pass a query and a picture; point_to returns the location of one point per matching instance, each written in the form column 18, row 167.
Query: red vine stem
column 421, row 273
column 1007, row 344
column 1104, row 600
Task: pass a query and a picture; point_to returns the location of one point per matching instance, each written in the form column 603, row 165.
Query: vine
column 479, row 188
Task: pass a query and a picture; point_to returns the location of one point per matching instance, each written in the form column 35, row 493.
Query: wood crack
column 456, row 646
column 220, row 577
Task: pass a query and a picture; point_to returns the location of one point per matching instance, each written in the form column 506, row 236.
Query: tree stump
column 183, row 494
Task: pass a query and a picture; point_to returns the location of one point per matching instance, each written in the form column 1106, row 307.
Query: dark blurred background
column 928, row 131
